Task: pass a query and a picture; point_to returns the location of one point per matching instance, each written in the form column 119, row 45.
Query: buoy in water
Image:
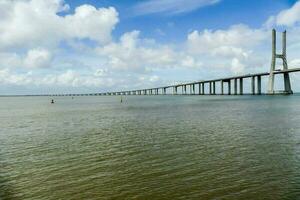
column 52, row 101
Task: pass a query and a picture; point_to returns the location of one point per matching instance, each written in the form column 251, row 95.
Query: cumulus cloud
column 140, row 55
column 68, row 78
column 31, row 32
column 28, row 23
column 238, row 36
column 38, row 58
column 92, row 23
column 289, row 16
column 170, row 6
column 232, row 47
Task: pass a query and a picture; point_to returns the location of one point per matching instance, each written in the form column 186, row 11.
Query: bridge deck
column 147, row 90
column 223, row 79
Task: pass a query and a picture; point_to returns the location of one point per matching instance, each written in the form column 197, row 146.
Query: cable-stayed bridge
column 235, row 84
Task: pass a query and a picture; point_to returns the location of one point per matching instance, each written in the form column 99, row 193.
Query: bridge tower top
column 287, row 83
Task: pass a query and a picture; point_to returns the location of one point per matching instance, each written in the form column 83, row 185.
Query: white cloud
column 38, row 58
column 92, row 23
column 171, row 6
column 28, row 23
column 238, row 36
column 236, row 66
column 68, row 78
column 141, row 55
column 290, row 16
column 231, row 48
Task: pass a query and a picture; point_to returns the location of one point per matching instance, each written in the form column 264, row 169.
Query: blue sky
column 58, row 46
column 175, row 26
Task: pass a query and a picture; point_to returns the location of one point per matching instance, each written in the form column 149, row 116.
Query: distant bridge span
column 236, row 80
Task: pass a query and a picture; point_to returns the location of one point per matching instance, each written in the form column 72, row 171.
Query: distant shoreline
column 93, row 94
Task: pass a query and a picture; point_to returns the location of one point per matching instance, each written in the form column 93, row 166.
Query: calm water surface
column 150, row 148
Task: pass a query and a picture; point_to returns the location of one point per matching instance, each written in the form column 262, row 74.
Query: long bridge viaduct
column 236, row 81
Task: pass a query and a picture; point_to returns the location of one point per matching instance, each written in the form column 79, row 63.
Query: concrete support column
column 235, row 86
column 253, row 85
column 175, row 90
column 229, row 87
column 193, row 88
column 222, row 88
column 203, row 88
column 241, row 86
column 184, row 89
column 210, row 88
column 199, row 88
column 214, row 87
column 259, row 85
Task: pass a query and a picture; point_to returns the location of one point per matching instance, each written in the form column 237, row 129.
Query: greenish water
column 161, row 147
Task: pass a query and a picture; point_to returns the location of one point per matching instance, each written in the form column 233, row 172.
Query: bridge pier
column 253, row 85
column 241, row 86
column 222, row 87
column 235, row 86
column 259, row 85
column 214, row 87
column 229, row 87
column 210, row 88
column 193, row 88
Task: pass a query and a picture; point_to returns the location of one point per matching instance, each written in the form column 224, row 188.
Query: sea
column 150, row 147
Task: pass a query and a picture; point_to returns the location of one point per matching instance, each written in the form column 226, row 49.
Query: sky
column 89, row 46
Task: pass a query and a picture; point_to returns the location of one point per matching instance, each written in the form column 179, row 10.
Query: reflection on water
column 150, row 148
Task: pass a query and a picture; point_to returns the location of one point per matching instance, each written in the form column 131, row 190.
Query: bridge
column 236, row 81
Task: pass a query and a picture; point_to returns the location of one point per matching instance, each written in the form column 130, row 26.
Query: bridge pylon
column 286, row 76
